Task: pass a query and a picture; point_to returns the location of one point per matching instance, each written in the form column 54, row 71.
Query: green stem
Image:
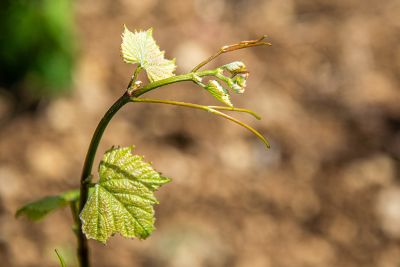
column 251, row 129
column 255, row 115
column 131, row 96
column 174, row 79
column 74, row 210
column 83, row 250
column 60, row 258
column 132, row 86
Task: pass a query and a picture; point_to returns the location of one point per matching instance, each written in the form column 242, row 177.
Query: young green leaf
column 122, row 201
column 235, row 67
column 219, row 92
column 141, row 48
column 238, row 83
column 38, row 209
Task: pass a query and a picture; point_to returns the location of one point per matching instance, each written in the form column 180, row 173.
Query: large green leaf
column 141, row 48
column 40, row 208
column 122, row 201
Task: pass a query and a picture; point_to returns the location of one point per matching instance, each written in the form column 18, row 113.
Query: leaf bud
column 235, row 67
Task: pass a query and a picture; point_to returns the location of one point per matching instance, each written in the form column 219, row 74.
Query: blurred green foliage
column 36, row 46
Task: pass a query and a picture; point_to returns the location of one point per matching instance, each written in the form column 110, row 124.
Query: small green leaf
column 141, row 48
column 219, row 92
column 239, row 75
column 60, row 258
column 38, row 209
column 235, row 67
column 122, row 201
column 238, row 83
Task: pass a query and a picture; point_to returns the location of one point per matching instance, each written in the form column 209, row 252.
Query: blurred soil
column 326, row 194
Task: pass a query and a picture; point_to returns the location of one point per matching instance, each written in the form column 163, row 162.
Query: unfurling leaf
column 235, row 67
column 238, row 82
column 122, row 201
column 141, row 48
column 219, row 92
column 38, row 209
column 238, row 70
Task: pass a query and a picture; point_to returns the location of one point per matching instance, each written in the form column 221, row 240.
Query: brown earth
column 326, row 194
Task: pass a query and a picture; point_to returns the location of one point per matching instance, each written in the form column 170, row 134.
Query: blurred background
column 326, row 194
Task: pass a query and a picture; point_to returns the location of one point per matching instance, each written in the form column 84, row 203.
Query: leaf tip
column 166, row 179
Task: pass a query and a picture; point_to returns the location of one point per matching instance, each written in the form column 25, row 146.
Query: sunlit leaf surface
column 122, row 201
column 141, row 48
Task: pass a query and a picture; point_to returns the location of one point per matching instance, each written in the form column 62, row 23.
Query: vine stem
column 131, row 95
column 83, row 249
column 85, row 181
